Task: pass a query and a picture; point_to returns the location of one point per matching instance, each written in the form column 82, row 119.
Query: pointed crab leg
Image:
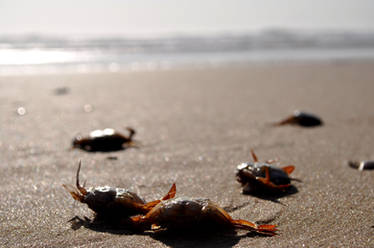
column 148, row 206
column 288, row 169
column 79, row 187
column 255, row 159
column 79, row 192
column 264, row 229
column 171, row 193
column 288, row 120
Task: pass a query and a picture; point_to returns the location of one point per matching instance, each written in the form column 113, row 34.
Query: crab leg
column 255, row 159
column 265, row 229
column 288, row 169
column 79, row 187
column 148, row 206
column 288, row 120
column 79, row 192
column 73, row 192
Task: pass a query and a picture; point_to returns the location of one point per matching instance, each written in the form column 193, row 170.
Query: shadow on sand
column 197, row 238
column 273, row 196
column 173, row 238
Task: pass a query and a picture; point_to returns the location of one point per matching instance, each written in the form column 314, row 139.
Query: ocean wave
column 270, row 39
column 30, row 54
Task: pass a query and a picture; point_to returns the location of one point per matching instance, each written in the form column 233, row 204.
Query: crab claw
column 74, row 192
column 79, row 192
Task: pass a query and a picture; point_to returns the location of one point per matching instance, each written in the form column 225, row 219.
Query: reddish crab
column 105, row 140
column 113, row 202
column 186, row 213
column 258, row 176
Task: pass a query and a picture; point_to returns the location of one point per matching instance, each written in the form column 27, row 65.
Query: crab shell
column 103, row 140
column 253, row 176
column 195, row 213
column 185, row 212
column 108, row 200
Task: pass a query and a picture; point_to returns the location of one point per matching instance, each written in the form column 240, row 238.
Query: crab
column 105, row 140
column 363, row 165
column 194, row 213
column 302, row 119
column 255, row 176
column 115, row 203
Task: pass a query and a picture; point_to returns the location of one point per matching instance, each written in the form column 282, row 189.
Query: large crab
column 262, row 176
column 115, row 203
column 191, row 213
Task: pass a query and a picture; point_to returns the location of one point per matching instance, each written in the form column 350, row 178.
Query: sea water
column 34, row 54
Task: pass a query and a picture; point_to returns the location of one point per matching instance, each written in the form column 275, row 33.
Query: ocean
column 35, row 54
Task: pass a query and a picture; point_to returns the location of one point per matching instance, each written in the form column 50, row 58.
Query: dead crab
column 105, row 140
column 186, row 213
column 302, row 119
column 363, row 165
column 259, row 176
column 113, row 202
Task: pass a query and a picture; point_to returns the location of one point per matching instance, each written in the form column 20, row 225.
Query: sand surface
column 195, row 126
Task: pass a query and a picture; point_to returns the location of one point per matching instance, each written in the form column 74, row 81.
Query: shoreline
column 113, row 68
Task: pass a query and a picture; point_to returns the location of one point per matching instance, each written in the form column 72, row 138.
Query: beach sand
column 195, row 127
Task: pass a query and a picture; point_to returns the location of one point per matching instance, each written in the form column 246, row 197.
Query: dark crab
column 262, row 176
column 195, row 214
column 363, row 165
column 302, row 119
column 105, row 140
column 113, row 203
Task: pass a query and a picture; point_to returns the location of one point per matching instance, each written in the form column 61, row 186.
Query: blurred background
column 44, row 36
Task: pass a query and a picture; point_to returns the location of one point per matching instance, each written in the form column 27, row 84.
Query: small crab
column 363, row 165
column 105, row 140
column 202, row 214
column 111, row 202
column 258, row 176
column 302, row 119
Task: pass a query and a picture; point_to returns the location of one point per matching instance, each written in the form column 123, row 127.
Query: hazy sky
column 147, row 17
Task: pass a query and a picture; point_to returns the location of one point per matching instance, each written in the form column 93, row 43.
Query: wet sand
column 195, row 126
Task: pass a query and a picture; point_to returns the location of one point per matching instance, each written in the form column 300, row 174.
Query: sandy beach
column 195, row 127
